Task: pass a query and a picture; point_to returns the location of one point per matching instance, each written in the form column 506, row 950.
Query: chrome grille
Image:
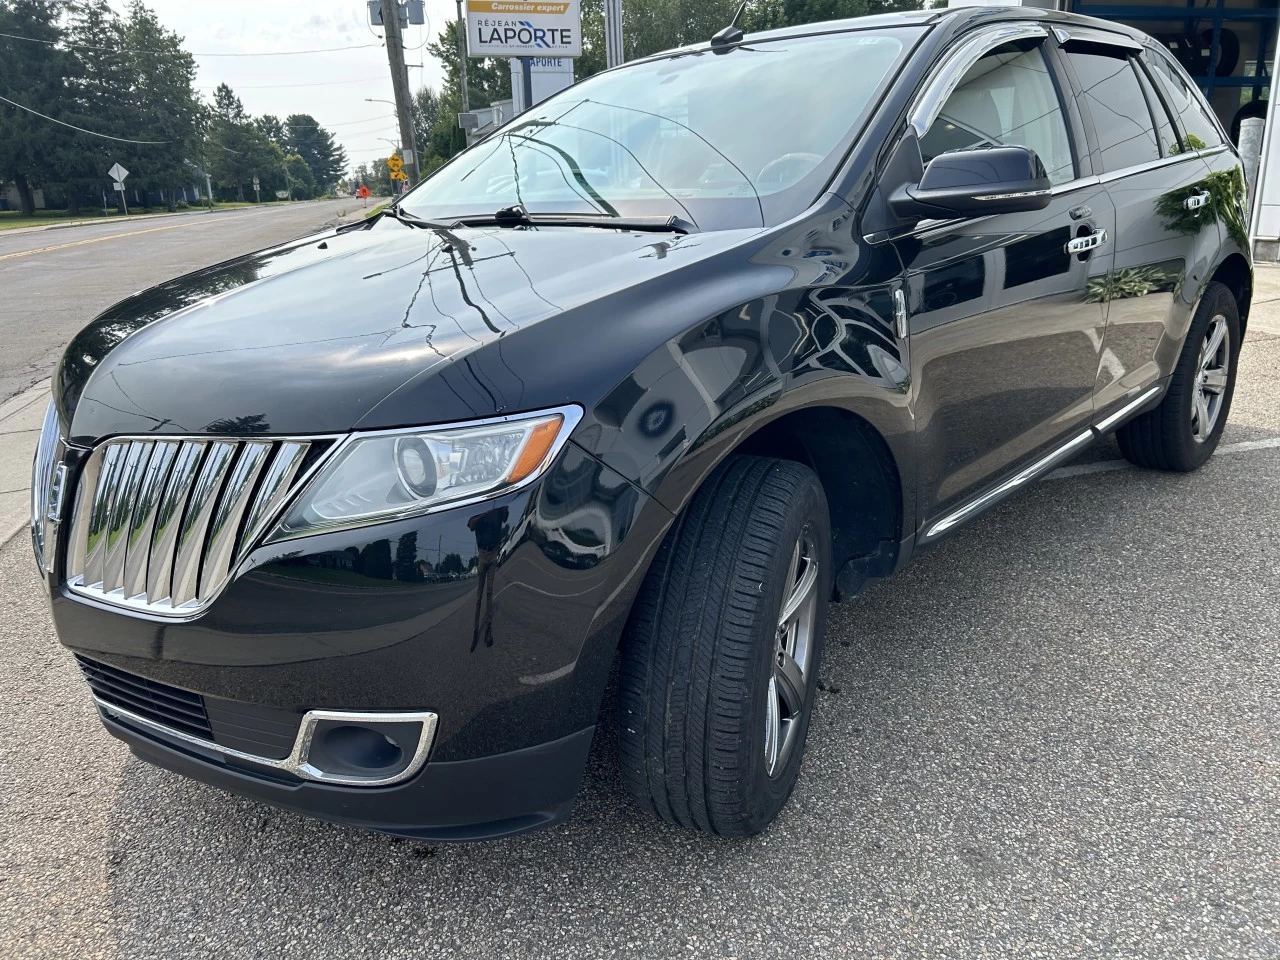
column 160, row 524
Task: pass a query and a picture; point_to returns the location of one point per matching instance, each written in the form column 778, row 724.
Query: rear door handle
column 1196, row 202
column 1090, row 241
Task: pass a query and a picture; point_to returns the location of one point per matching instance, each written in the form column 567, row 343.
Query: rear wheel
column 1184, row 430
column 720, row 662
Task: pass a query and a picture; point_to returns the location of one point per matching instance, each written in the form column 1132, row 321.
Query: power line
column 284, row 86
column 272, row 53
column 91, row 133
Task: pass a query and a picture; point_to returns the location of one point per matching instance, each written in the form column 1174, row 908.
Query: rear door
column 1006, row 320
column 1158, row 182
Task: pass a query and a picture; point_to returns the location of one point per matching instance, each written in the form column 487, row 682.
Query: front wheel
column 720, row 660
column 1184, row 430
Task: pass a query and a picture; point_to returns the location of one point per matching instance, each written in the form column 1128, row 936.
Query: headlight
column 47, row 477
column 387, row 475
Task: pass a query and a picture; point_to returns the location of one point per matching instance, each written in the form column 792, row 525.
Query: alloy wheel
column 785, row 697
column 1212, row 372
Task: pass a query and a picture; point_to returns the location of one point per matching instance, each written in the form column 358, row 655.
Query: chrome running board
column 1042, row 466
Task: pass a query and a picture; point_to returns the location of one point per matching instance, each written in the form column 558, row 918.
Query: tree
column 302, row 184
column 237, row 150
column 98, row 81
column 305, row 137
column 164, row 99
column 271, row 128
column 32, row 73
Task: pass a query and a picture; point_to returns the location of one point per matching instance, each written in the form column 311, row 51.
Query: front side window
column 733, row 139
column 1184, row 101
column 1007, row 98
column 1121, row 120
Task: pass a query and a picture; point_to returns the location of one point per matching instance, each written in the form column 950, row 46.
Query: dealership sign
column 524, row 28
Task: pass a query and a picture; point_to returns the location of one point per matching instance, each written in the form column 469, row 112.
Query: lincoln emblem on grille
column 160, row 524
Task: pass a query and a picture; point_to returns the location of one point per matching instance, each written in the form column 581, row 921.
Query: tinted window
column 700, row 135
column 1164, row 126
column 1186, row 104
column 1121, row 120
column 1009, row 98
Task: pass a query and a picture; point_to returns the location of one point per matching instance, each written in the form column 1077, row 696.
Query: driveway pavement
column 1057, row 734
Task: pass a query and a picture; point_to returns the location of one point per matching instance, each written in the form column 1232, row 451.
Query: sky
column 332, row 87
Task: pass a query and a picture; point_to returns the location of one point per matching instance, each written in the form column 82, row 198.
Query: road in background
column 54, row 281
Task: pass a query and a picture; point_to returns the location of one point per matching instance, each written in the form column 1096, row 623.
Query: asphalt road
column 1057, row 734
column 52, row 282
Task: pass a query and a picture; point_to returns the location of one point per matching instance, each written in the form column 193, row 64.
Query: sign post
column 257, row 196
column 118, row 173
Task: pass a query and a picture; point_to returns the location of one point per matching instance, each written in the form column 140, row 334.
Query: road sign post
column 118, row 173
column 257, row 196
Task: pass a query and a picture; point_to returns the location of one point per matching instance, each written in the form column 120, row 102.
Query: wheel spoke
column 772, row 727
column 1202, row 414
column 788, row 680
column 1217, row 331
column 800, row 592
column 1215, row 381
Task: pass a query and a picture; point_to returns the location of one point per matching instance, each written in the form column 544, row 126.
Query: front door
column 1006, row 313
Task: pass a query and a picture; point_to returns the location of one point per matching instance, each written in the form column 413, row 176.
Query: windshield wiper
column 395, row 213
column 517, row 216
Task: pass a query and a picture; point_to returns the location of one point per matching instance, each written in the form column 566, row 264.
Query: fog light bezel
column 299, row 760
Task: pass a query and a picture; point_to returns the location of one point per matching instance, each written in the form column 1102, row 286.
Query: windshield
column 740, row 139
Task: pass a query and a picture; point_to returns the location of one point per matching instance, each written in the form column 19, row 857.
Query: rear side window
column 1185, row 102
column 1007, row 98
column 1121, row 120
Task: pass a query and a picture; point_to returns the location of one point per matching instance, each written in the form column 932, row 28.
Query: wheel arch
column 861, row 475
column 1236, row 275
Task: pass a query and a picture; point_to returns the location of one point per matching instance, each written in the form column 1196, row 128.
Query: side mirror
column 975, row 183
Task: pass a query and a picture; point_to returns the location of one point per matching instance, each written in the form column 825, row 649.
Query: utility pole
column 462, row 58
column 613, row 32
column 400, row 84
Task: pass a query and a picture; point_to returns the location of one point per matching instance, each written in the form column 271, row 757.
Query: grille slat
column 100, row 513
column 135, row 465
column 179, row 709
column 138, row 544
column 136, row 697
column 164, row 538
column 204, row 497
column 160, row 524
column 230, row 511
column 277, row 481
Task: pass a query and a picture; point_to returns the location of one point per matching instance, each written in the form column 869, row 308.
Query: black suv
column 361, row 524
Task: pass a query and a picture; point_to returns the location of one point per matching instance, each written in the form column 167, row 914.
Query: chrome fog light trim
column 298, row 762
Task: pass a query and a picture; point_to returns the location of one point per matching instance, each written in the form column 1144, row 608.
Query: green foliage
column 124, row 75
column 302, row 184
column 28, row 144
column 307, row 139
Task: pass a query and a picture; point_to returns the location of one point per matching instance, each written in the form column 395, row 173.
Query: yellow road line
column 132, row 233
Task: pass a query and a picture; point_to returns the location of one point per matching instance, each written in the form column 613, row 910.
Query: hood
column 314, row 335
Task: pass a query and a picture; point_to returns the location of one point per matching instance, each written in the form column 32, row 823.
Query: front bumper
column 460, row 800
column 501, row 619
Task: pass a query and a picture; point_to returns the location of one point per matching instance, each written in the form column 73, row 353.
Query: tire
column 700, row 659
column 1170, row 436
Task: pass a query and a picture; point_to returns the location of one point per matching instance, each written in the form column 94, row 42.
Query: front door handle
column 1196, row 202
column 1090, row 241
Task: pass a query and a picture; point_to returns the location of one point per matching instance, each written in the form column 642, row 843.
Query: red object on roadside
column 362, row 192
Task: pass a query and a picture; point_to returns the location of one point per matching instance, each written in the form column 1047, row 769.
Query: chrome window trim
column 298, row 761
column 1097, row 36
column 949, row 72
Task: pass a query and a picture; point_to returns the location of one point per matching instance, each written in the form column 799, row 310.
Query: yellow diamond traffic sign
column 394, row 163
column 399, row 175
